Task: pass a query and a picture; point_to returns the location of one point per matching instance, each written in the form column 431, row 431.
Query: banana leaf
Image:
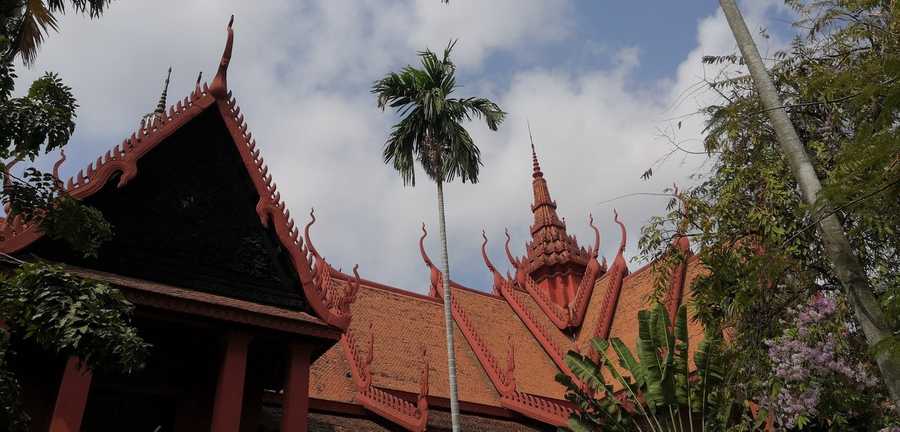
column 682, row 353
column 627, row 361
column 586, row 370
column 648, row 353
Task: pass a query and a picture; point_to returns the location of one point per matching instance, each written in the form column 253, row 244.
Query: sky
column 604, row 85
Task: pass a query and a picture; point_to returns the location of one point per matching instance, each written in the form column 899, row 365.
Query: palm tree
column 431, row 131
column 26, row 23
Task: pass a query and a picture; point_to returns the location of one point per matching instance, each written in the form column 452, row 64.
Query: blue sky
column 599, row 81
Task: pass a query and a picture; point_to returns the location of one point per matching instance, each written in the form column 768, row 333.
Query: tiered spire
column 551, row 250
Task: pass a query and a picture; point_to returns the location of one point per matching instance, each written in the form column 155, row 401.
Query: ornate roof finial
column 534, row 160
column 622, row 226
column 199, row 77
column 595, row 251
column 219, row 86
column 512, row 260
column 161, row 105
column 62, row 158
column 422, row 246
column 487, row 261
column 309, row 243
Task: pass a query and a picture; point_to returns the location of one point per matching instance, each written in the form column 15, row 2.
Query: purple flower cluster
column 808, row 355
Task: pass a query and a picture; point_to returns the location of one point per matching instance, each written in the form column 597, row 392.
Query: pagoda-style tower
column 553, row 258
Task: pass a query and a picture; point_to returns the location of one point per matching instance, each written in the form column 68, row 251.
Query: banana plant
column 657, row 390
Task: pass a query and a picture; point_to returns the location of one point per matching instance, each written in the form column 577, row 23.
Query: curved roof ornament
column 595, row 251
column 422, row 246
column 487, row 261
column 309, row 244
column 509, row 255
column 622, row 227
column 219, row 86
column 62, row 158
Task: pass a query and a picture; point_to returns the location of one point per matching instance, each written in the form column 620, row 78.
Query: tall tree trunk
column 846, row 265
column 448, row 317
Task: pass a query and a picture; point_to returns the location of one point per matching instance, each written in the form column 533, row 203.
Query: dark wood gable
column 188, row 219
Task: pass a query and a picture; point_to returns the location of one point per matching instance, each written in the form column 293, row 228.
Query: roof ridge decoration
column 617, row 274
column 219, row 86
column 542, row 409
column 489, row 362
column 330, row 303
column 336, row 300
column 504, row 288
column 413, row 418
column 539, row 408
column 682, row 246
column 435, row 280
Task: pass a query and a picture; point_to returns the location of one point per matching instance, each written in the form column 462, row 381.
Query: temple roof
column 391, row 359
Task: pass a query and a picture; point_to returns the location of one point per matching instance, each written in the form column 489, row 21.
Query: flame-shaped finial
column 534, row 159
column 487, row 261
column 59, row 162
column 509, row 255
column 422, row 246
column 219, row 86
column 309, row 244
column 622, row 227
column 595, row 251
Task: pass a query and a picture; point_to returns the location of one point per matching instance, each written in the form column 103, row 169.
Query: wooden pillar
column 71, row 398
column 295, row 405
column 230, row 388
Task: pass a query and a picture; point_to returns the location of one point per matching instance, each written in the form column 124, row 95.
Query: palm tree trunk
column 448, row 317
column 846, row 265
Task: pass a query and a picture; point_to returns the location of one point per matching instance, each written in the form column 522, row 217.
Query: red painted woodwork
column 296, row 390
column 72, row 397
column 617, row 274
column 229, row 397
column 329, row 302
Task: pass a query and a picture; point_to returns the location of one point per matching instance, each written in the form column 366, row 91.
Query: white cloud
column 301, row 72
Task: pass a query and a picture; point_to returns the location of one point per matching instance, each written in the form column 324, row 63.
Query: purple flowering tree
column 820, row 379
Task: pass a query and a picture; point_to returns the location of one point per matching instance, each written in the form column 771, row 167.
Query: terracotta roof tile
column 592, row 316
column 402, row 325
column 496, row 323
column 563, row 341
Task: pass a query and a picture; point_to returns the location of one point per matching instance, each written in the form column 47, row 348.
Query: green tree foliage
column 840, row 82
column 657, row 389
column 41, row 304
column 47, row 307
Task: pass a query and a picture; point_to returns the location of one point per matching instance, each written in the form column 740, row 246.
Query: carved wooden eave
column 16, row 234
column 412, row 417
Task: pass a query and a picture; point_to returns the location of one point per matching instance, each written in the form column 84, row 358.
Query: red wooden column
column 295, row 404
column 230, row 388
column 72, row 397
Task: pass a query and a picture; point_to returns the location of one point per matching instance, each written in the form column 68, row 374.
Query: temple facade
column 253, row 330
